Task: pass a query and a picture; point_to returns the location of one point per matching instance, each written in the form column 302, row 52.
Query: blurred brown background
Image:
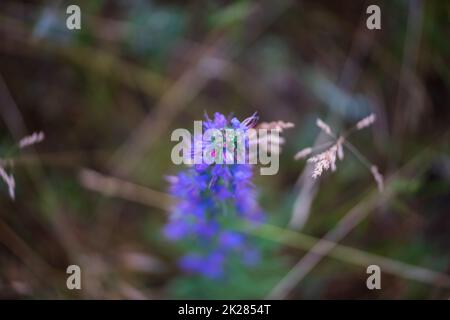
column 108, row 96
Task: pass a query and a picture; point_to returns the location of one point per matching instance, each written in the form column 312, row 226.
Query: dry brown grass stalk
column 326, row 160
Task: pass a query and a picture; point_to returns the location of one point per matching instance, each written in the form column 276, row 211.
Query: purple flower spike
column 210, row 197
